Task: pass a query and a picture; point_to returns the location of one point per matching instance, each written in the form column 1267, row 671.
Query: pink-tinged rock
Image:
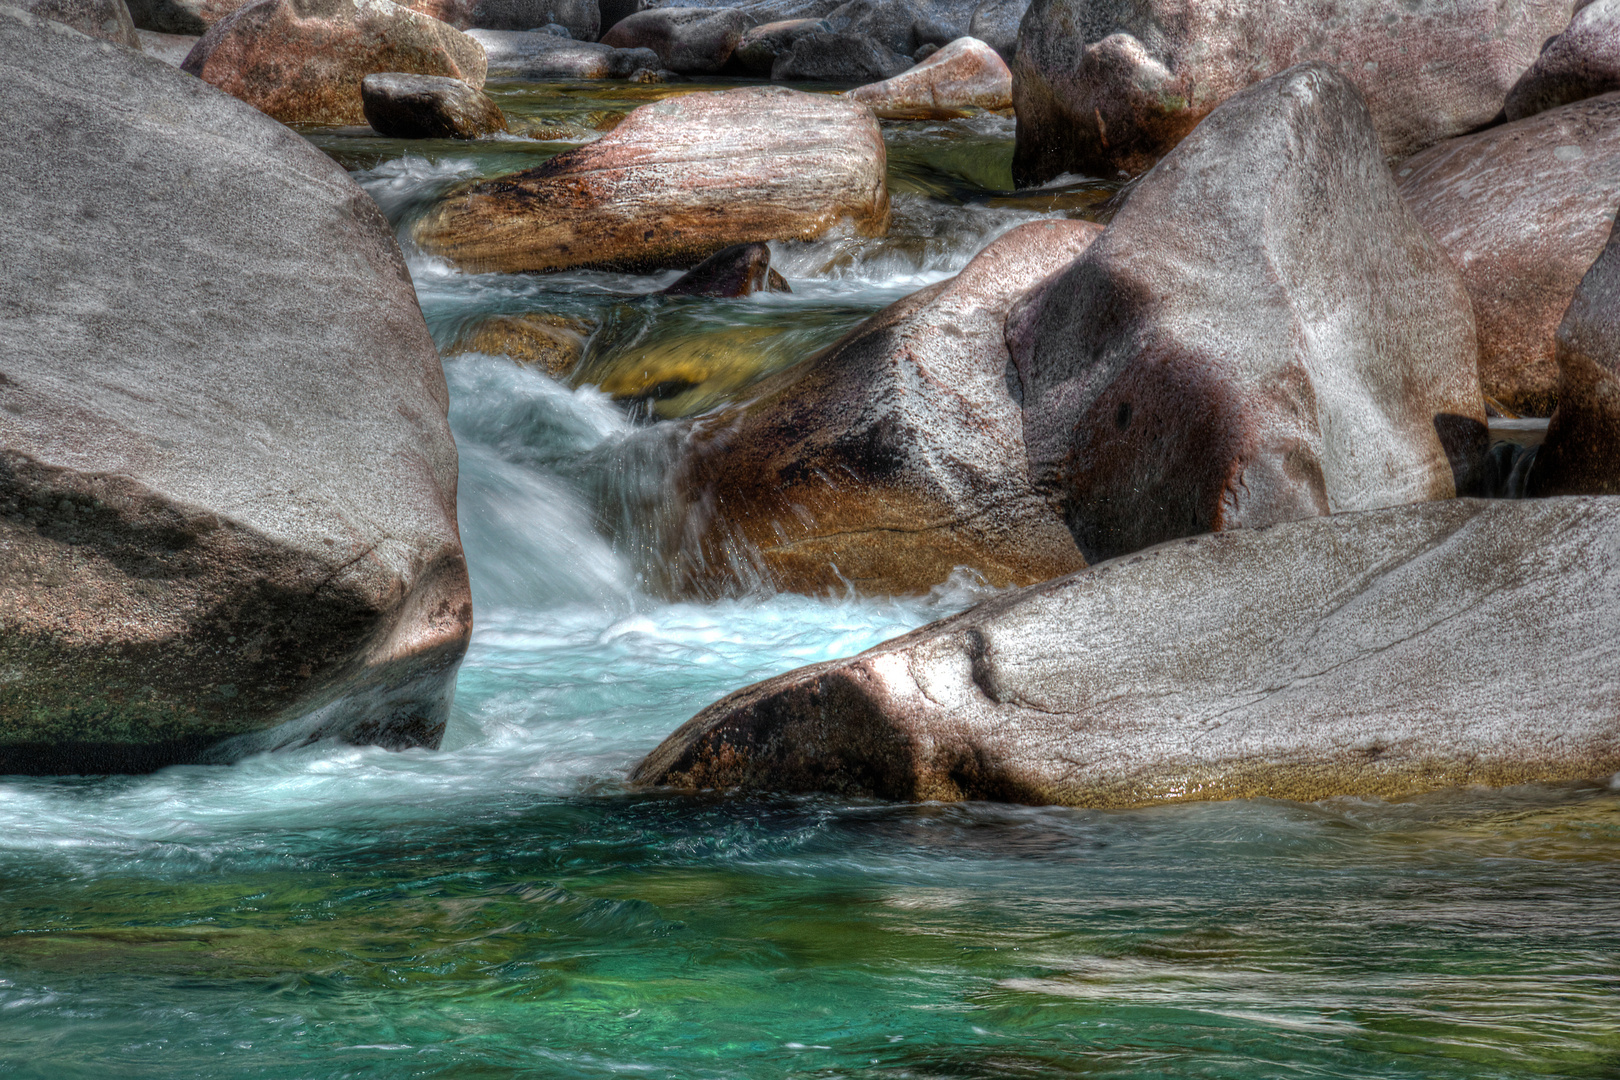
column 675, row 182
column 1522, row 209
column 301, row 61
column 1104, row 87
column 691, row 41
column 966, row 74
column 1263, row 333
column 1582, row 62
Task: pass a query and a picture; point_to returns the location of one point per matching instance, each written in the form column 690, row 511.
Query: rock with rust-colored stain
column 966, row 74
column 1361, row 654
column 552, row 343
column 108, row 20
column 690, row 41
column 1522, row 209
column 1581, row 453
column 731, row 272
column 891, row 459
column 227, row 485
column 404, row 106
column 1263, row 333
column 676, row 181
column 1105, row 87
column 302, row 61
column 1582, row 62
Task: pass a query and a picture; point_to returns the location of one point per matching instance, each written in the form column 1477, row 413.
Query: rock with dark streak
column 735, row 271
column 1582, row 62
column 427, row 107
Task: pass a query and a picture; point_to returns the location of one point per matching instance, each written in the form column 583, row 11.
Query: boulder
column 995, row 22
column 551, row 343
column 837, row 58
column 1581, row 453
column 676, row 181
column 579, row 18
column 690, row 41
column 1106, row 87
column 427, row 107
column 966, row 74
column 1522, row 209
column 172, row 49
column 108, row 20
column 891, row 459
column 757, row 50
column 1384, row 653
column 301, row 61
column 1582, row 62
column 227, row 487
column 1263, row 333
column 541, row 57
column 903, row 26
column 735, row 271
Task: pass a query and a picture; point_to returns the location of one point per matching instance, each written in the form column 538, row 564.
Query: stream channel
column 507, row 908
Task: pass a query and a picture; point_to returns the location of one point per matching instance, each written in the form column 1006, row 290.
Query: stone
column 674, row 182
column 579, row 19
column 739, row 270
column 172, row 49
column 757, row 50
column 1582, row 62
column 995, row 22
column 613, row 12
column 551, row 343
column 903, row 26
column 1263, row 333
column 1379, row 654
column 108, row 20
column 966, row 74
column 541, row 57
column 403, row 106
column 837, row 58
column 690, row 41
column 889, row 460
column 227, row 485
column 1581, row 452
column 301, row 61
column 190, row 18
column 673, row 375
column 1106, row 87
column 1522, row 209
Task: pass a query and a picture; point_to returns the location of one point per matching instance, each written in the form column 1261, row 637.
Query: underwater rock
column 676, row 181
column 1522, row 209
column 1263, row 333
column 689, row 41
column 172, row 49
column 551, row 343
column 108, row 20
column 427, row 107
column 837, row 58
column 301, row 61
column 1582, row 62
column 580, row 18
column 892, row 458
column 734, row 271
column 676, row 375
column 759, row 47
column 227, row 487
column 966, row 74
column 539, row 57
column 1360, row 654
column 1105, row 87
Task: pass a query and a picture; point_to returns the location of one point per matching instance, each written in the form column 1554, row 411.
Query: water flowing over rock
column 580, row 18
column 1263, row 333
column 301, row 61
column 759, row 47
column 1582, row 62
column 675, row 182
column 838, row 58
column 739, row 270
column 172, row 49
column 1104, row 87
column 108, row 20
column 892, row 458
column 428, row 107
column 539, row 57
column 690, row 41
column 1522, row 209
column 966, row 74
column 1359, row 654
column 552, row 343
column 227, row 488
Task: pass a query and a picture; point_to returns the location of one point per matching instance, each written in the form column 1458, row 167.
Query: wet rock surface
column 1263, row 333
column 521, row 55
column 1582, row 62
column 688, row 41
column 739, row 270
column 552, row 343
column 427, row 107
column 108, row 20
column 1522, row 209
column 966, row 74
column 227, row 495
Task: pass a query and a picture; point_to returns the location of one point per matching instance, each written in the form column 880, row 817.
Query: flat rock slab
column 539, row 57
column 676, row 181
column 966, row 74
column 227, row 487
column 1382, row 653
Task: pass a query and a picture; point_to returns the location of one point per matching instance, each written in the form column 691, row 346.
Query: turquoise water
column 505, row 908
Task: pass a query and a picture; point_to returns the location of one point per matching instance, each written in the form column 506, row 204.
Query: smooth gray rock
column 903, row 26
column 838, row 58
column 227, row 487
column 539, row 57
column 1581, row 62
column 403, row 106
column 172, row 49
column 689, row 41
column 995, row 22
column 108, row 20
column 1380, row 653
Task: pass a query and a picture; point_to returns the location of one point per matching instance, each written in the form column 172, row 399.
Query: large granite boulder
column 966, row 74
column 227, row 487
column 1263, row 333
column 1104, row 87
column 1381, row 653
column 1582, row 62
column 1522, row 209
column 108, row 20
column 892, row 458
column 676, row 181
column 837, row 58
column 301, row 61
column 690, row 41
column 539, row 57
column 428, row 107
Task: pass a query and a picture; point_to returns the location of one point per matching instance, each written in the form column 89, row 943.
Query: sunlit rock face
column 227, row 488
column 1582, row 62
column 1522, row 209
column 1105, row 88
column 966, row 74
column 1378, row 653
column 675, row 182
column 1263, row 333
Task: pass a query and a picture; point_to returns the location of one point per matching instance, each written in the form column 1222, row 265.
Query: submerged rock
column 539, row 57
column 1108, row 86
column 1522, row 209
column 227, row 487
column 108, row 20
column 689, row 41
column 734, row 271
column 1582, row 62
column 172, row 49
column 837, row 58
column 1263, row 333
column 1362, row 654
column 677, row 375
column 552, row 343
column 301, row 61
column 966, row 74
column 676, row 181
column 759, row 46
column 891, row 459
column 427, row 107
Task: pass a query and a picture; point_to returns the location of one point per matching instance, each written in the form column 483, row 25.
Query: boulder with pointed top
column 735, row 271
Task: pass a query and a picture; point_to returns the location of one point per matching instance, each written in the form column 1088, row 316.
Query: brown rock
column 550, row 342
column 1522, row 209
column 427, row 107
column 108, row 20
column 690, row 41
column 301, row 61
column 966, row 74
column 730, row 272
column 676, row 181
column 1582, row 62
